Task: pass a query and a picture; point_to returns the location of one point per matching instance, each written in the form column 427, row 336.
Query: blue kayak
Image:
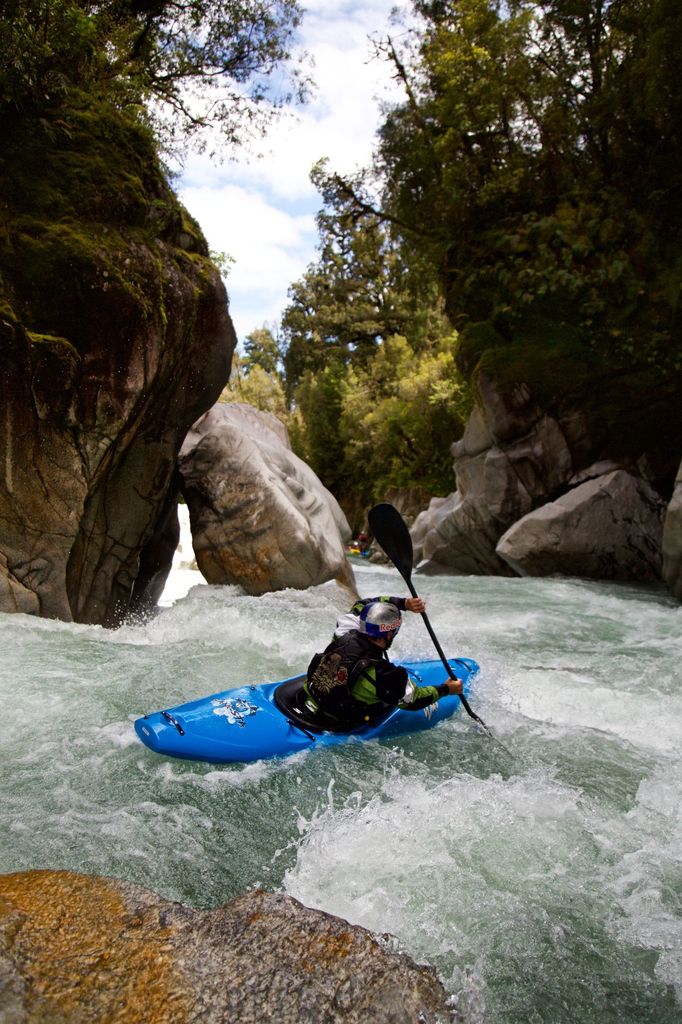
column 255, row 722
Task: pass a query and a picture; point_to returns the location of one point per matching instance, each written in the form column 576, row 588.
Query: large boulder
column 672, row 540
column 458, row 536
column 116, row 337
column 608, row 528
column 260, row 517
column 511, row 458
column 527, row 474
column 75, row 948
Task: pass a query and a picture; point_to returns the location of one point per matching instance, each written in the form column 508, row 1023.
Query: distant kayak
column 261, row 721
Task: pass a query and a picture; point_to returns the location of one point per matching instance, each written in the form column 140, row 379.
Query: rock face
column 76, row 948
column 457, row 535
column 608, row 528
column 512, row 457
column 531, row 499
column 260, row 516
column 672, row 540
column 116, row 337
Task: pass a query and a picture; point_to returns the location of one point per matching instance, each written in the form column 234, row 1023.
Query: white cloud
column 261, row 212
column 270, row 247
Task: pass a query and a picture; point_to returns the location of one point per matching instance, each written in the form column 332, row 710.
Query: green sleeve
column 364, row 691
column 423, row 697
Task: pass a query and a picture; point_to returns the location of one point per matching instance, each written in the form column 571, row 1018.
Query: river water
column 544, row 881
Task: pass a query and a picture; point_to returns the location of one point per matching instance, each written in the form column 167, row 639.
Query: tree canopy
column 369, row 362
column 536, row 162
column 528, row 187
column 182, row 66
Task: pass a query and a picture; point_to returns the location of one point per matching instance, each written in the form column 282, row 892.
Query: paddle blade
column 392, row 534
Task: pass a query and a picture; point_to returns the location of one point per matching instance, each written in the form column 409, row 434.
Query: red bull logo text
column 389, row 627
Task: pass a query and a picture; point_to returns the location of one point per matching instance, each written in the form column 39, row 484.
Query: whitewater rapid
column 544, row 881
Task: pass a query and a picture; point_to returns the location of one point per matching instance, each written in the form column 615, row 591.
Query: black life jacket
column 332, row 674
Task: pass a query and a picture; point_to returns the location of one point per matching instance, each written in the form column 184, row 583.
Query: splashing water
column 544, row 884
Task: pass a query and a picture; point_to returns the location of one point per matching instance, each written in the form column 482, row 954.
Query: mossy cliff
column 116, row 337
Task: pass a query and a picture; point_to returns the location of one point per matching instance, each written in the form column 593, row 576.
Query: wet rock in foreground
column 81, row 948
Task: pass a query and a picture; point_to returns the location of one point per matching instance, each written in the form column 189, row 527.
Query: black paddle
column 392, row 534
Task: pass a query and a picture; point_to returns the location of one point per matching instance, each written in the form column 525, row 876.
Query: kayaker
column 352, row 681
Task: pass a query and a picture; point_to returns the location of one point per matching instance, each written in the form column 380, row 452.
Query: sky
column 261, row 212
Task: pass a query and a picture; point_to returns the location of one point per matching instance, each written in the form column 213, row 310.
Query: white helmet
column 380, row 618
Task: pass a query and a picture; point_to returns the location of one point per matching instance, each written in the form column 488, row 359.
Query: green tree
column 262, row 349
column 365, row 428
column 315, row 434
column 376, row 399
column 530, row 166
column 400, row 416
column 185, row 67
column 346, row 302
column 359, row 291
column 254, row 385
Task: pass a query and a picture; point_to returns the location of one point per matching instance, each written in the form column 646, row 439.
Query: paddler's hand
column 415, row 604
column 454, row 686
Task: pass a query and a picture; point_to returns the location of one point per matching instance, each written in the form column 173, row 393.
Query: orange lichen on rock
column 76, row 949
column 86, row 952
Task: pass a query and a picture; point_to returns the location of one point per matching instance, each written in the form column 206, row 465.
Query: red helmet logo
column 390, row 627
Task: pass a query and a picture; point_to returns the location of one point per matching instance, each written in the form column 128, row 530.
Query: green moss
column 88, row 164
column 52, row 342
column 94, row 271
column 200, row 265
column 88, row 222
column 92, row 176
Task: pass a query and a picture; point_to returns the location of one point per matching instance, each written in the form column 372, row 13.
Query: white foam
column 571, row 865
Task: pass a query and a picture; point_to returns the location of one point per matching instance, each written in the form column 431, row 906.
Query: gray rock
column 477, row 436
column 427, row 521
column 77, row 948
column 260, row 517
column 495, row 487
column 606, row 528
column 156, row 559
column 508, row 412
column 457, row 536
column 672, row 540
column 576, row 430
column 511, row 464
column 594, row 471
column 516, row 457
